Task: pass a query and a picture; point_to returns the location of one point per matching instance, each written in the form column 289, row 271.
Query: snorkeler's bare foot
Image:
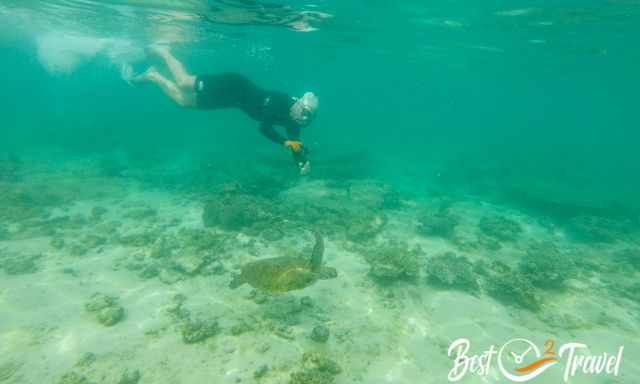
column 145, row 76
column 301, row 26
column 305, row 20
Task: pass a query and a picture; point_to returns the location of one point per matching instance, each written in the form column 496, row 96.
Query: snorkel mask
column 305, row 108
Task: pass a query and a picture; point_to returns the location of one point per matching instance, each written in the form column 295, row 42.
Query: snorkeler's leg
column 168, row 87
column 183, row 78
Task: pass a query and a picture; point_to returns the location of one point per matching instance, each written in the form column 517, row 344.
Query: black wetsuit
column 232, row 90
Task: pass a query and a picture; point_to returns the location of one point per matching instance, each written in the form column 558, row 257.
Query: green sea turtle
column 283, row 274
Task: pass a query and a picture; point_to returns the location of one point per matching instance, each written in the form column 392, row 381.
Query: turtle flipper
column 318, row 251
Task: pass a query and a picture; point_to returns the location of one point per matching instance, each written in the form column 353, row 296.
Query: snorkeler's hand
column 295, row 146
column 305, row 168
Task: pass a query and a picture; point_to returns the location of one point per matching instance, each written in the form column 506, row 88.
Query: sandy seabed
column 109, row 280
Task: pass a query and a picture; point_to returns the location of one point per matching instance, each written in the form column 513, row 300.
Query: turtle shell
column 279, row 274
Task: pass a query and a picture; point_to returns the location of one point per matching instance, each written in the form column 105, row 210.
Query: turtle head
column 318, row 251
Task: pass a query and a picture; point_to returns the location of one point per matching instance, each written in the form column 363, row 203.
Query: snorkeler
column 232, row 90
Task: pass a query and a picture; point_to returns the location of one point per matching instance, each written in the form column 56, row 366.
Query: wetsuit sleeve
column 270, row 133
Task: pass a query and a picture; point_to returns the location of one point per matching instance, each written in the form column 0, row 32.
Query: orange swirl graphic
column 536, row 364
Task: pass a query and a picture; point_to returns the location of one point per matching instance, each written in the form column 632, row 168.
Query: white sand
column 376, row 338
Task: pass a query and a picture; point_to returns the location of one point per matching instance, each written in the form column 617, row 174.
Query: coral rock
column 111, row 315
column 453, row 272
column 320, row 334
column 545, row 267
column 500, row 227
column 441, row 224
column 99, row 301
column 393, row 261
column 194, row 331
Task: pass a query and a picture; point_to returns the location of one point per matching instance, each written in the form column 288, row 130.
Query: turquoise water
column 474, row 174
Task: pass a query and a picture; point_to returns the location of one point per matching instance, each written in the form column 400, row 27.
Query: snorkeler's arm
column 293, row 132
column 299, row 155
column 298, row 152
column 270, row 133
